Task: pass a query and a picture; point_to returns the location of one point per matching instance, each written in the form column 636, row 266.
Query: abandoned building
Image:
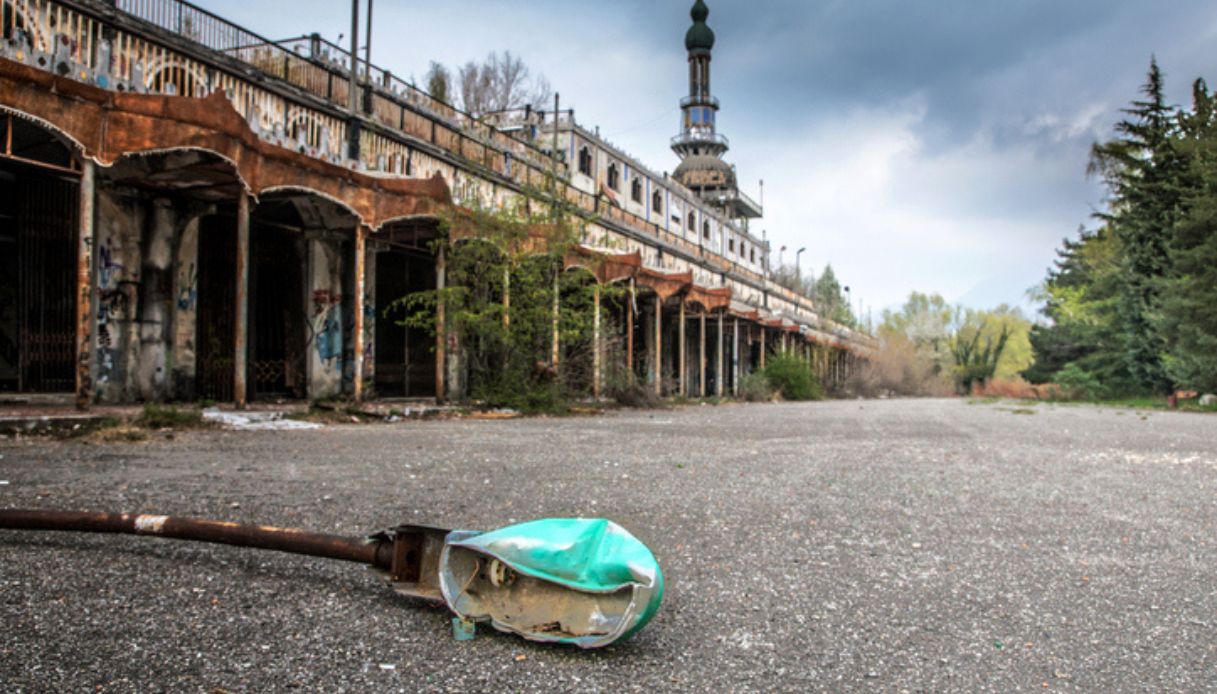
column 190, row 211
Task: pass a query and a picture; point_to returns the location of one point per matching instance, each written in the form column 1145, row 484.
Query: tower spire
column 699, row 145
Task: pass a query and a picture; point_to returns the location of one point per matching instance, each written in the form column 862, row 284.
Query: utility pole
column 367, row 49
column 798, row 268
column 554, row 152
column 354, row 66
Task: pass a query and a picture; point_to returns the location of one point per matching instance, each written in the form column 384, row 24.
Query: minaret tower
column 699, row 108
column 699, row 146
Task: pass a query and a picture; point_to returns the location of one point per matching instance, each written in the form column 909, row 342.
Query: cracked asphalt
column 903, row 545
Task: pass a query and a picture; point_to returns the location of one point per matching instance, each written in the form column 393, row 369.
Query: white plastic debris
column 255, row 420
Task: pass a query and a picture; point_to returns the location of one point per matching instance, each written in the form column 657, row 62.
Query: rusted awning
column 665, row 284
column 711, row 299
column 110, row 125
column 606, row 265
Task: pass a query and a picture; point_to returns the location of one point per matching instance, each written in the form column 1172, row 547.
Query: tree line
column 1131, row 305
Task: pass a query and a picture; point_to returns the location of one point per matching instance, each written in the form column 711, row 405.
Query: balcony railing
column 701, row 136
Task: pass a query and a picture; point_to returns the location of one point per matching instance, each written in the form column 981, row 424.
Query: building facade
column 193, row 212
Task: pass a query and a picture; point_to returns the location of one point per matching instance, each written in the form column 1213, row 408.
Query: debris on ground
column 255, row 420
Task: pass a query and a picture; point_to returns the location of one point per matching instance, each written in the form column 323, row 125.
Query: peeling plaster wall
column 119, row 261
column 156, row 304
column 327, row 319
column 186, row 312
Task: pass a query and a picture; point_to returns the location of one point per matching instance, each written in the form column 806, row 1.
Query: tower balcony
column 711, row 101
column 701, row 137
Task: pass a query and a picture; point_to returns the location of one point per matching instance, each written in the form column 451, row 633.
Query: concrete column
column 441, row 331
column 762, row 346
column 681, row 353
column 658, row 346
column 735, row 358
column 701, row 356
column 241, row 330
column 597, row 347
column 629, row 333
column 719, row 368
column 361, row 239
column 84, row 286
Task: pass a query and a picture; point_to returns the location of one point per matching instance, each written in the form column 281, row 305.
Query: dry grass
column 1016, row 389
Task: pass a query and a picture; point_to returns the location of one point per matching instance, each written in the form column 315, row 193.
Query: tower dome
column 699, row 36
column 705, row 172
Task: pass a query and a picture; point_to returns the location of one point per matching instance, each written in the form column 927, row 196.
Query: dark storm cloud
column 937, row 145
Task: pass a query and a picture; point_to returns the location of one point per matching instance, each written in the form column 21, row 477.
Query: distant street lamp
column 798, row 271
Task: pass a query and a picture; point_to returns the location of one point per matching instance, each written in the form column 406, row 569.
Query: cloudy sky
column 935, row 145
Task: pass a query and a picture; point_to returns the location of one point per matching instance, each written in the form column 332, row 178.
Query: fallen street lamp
column 586, row 582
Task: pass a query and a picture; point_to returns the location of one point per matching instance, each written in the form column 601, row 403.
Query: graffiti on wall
column 188, row 294
column 115, row 294
column 327, row 325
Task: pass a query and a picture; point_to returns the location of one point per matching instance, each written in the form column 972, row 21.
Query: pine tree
column 1189, row 305
column 1145, row 173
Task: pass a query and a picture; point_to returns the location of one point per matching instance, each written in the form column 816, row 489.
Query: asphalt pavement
column 903, row 545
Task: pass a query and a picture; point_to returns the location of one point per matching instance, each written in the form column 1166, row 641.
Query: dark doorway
column 405, row 357
column 39, row 211
column 215, row 330
column 277, row 340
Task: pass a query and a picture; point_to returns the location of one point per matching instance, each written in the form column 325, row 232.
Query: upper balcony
column 701, row 137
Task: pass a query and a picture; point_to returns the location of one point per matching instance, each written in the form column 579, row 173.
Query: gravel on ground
column 901, row 545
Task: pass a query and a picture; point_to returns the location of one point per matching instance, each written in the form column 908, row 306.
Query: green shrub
column 1078, row 384
column 755, row 387
column 791, row 377
column 157, row 416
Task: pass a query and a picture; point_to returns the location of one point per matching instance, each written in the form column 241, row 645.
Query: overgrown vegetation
column 930, row 348
column 789, row 376
column 826, row 291
column 503, row 287
column 1131, row 306
column 157, row 416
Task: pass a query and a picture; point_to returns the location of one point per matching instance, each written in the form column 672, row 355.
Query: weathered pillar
column 735, row 358
column 658, row 366
column 681, row 352
column 719, row 369
column 762, row 346
column 441, row 331
column 597, row 347
column 629, row 334
column 701, row 356
column 361, row 240
column 556, row 315
column 84, row 286
column 241, row 329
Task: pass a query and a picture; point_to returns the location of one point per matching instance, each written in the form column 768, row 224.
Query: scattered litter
column 521, row 658
column 255, row 420
column 388, row 666
column 3, row 483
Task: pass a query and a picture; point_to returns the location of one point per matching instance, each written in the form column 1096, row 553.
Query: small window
column 752, row 255
column 742, row 247
column 657, row 201
column 705, row 230
column 614, row 177
column 692, row 222
column 585, row 161
column 636, row 191
column 730, row 245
